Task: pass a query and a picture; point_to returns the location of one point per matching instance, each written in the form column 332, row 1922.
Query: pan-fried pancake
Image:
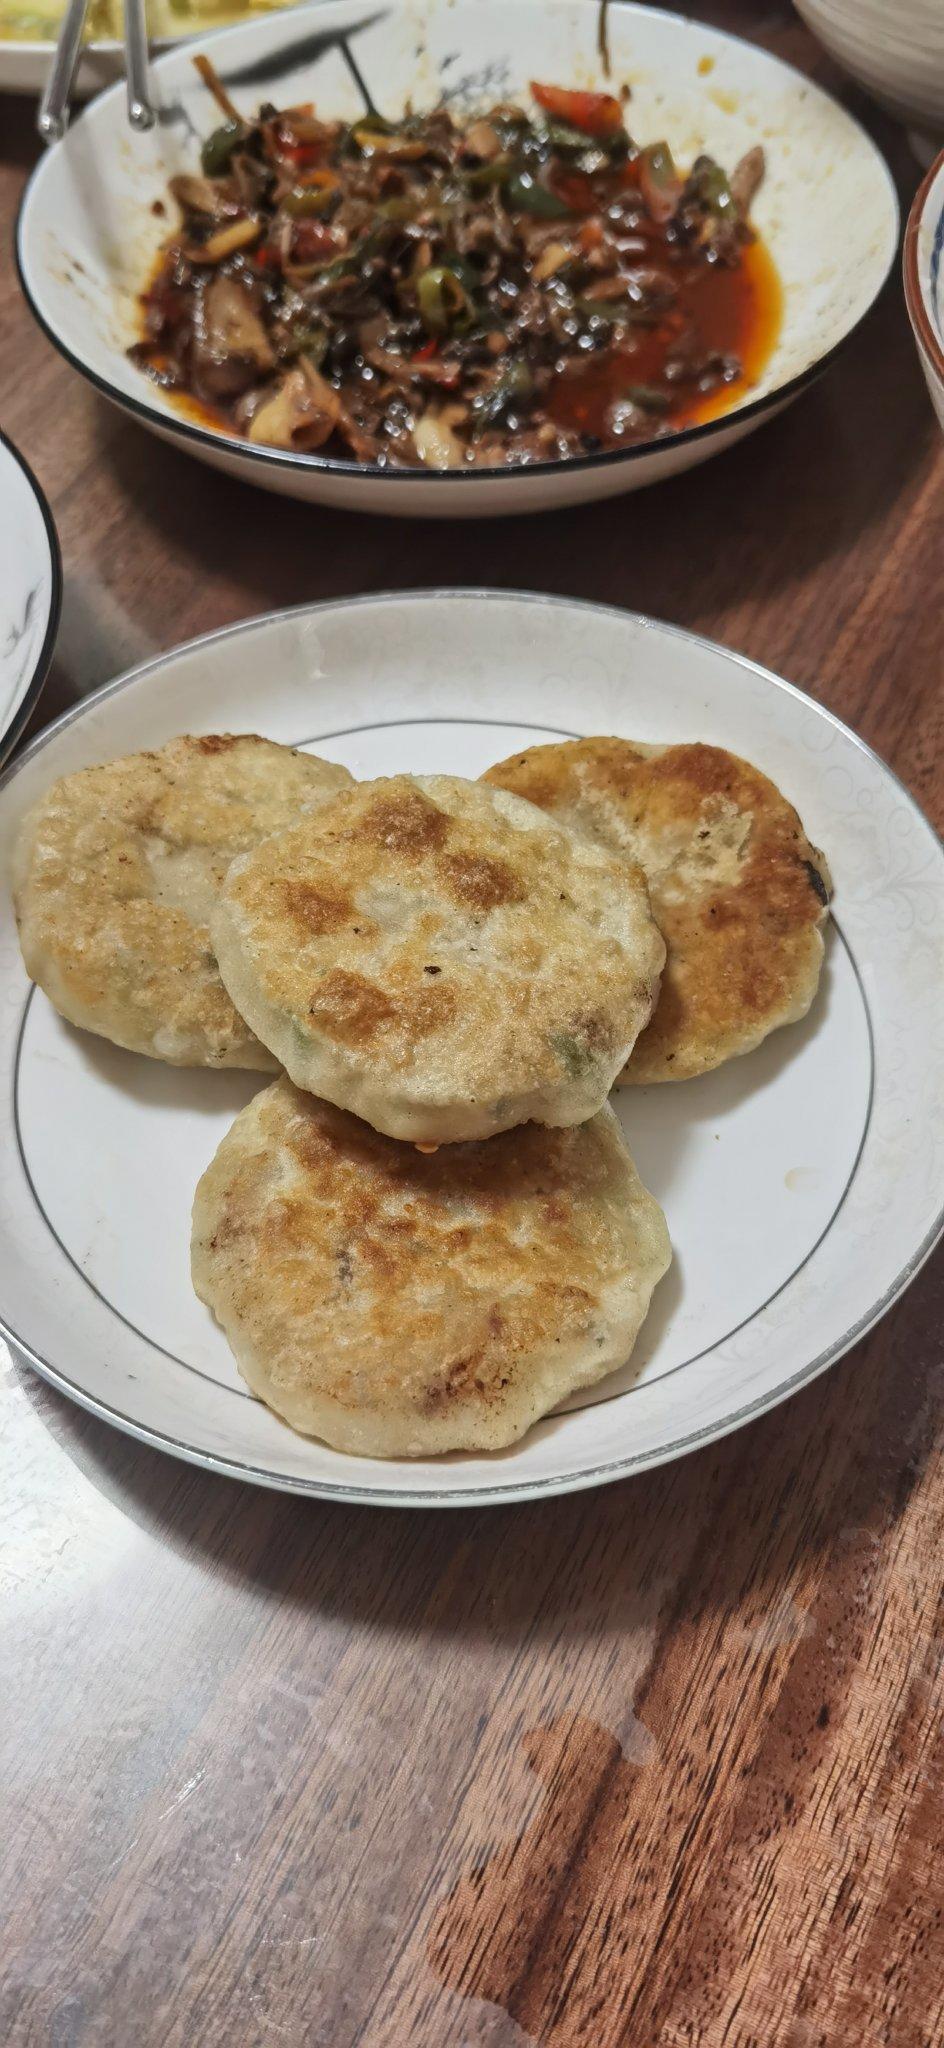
column 397, row 1304
column 440, row 958
column 738, row 892
column 117, row 869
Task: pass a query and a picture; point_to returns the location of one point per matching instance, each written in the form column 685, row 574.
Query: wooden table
column 656, row 1766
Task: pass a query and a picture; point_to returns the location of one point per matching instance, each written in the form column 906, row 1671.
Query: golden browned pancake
column 738, row 892
column 116, row 872
column 440, row 958
column 398, row 1305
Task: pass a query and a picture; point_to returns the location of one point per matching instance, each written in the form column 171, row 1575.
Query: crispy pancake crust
column 116, row 870
column 400, row 1305
column 737, row 890
column 441, row 959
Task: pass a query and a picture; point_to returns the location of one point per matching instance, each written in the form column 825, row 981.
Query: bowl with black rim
column 95, row 214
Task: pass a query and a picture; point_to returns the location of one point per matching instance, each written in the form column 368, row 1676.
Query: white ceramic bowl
column 923, row 266
column 827, row 209
column 895, row 49
column 30, row 592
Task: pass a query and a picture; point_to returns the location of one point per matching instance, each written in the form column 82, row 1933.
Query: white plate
column 802, row 1184
column 30, row 592
column 87, row 235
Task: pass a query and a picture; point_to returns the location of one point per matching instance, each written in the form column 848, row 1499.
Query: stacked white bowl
column 895, row 49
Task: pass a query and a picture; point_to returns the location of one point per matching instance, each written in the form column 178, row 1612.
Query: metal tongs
column 53, row 117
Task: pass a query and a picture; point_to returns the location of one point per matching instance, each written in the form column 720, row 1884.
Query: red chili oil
column 736, row 311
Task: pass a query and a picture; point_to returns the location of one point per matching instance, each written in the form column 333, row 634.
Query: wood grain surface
column 658, row 1766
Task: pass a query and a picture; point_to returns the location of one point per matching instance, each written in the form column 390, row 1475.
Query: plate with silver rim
column 802, row 1183
column 30, row 592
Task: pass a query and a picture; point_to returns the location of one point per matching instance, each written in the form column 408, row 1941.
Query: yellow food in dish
column 39, row 21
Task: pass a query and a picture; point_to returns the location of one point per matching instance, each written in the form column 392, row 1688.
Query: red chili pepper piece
column 594, row 113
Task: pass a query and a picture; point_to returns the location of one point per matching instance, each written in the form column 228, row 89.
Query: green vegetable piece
column 312, row 343
column 339, row 266
column 576, row 1059
column 308, row 200
column 443, row 300
column 524, row 194
column 400, row 209
column 485, row 176
column 571, row 141
column 515, row 384
column 365, row 126
column 610, row 310
column 350, row 263
column 378, row 124
column 709, row 184
column 661, row 163
column 649, row 397
column 466, row 273
column 659, row 182
column 589, row 153
column 218, row 148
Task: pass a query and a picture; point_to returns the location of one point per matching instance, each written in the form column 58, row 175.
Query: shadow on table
column 735, row 1523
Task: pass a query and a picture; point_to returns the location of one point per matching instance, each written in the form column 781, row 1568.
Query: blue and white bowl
column 88, row 234
column 30, row 592
column 923, row 265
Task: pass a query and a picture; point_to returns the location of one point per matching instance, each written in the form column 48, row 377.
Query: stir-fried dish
column 511, row 288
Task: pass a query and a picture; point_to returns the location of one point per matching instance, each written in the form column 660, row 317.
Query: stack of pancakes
column 428, row 1230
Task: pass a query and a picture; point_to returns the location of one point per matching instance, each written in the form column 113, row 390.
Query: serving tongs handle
column 53, row 117
column 140, row 110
